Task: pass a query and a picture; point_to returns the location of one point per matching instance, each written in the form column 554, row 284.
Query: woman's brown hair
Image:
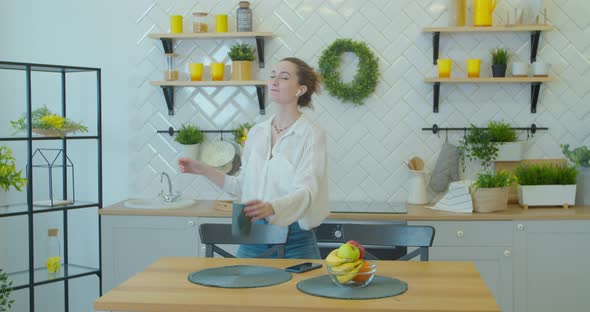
column 308, row 77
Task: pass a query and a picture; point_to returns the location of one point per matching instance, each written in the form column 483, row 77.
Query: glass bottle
column 200, row 22
column 53, row 262
column 170, row 74
column 244, row 16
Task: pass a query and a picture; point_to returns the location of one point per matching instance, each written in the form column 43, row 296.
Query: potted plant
column 5, row 290
column 45, row 122
column 500, row 57
column 509, row 149
column 490, row 191
column 546, row 185
column 190, row 137
column 242, row 56
column 9, row 176
column 580, row 157
column 477, row 145
column 241, row 133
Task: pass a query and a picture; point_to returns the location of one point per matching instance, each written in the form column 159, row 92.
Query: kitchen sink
column 157, row 203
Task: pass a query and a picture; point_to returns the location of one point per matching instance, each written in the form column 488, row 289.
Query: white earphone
column 298, row 93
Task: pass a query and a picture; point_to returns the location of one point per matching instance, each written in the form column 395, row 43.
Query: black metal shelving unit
column 37, row 276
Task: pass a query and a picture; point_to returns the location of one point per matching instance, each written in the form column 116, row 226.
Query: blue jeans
column 301, row 244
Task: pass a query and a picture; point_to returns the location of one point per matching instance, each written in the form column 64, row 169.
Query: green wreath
column 365, row 80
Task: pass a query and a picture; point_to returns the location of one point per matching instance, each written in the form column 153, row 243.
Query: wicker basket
column 490, row 199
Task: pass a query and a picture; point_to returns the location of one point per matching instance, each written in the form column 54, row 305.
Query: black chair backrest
column 213, row 234
column 392, row 235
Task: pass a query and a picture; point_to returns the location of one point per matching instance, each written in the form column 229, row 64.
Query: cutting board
column 511, row 165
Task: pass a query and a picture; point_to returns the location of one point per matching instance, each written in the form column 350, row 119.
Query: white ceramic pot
column 583, row 190
column 511, row 151
column 546, row 195
column 541, row 69
column 520, row 69
column 417, row 192
column 191, row 150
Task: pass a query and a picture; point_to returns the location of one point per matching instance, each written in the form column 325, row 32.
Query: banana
column 333, row 260
column 344, row 278
column 345, row 267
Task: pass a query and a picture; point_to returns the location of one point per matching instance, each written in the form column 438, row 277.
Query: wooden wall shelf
column 168, row 89
column 534, row 81
column 535, row 31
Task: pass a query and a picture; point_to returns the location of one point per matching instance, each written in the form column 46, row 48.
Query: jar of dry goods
column 244, row 16
column 200, row 22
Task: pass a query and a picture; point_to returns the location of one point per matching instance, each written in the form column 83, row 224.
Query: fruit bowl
column 359, row 276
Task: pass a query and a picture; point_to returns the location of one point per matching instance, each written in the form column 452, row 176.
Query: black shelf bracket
column 169, row 95
column 435, row 45
column 167, row 44
column 260, row 91
column 535, row 36
column 535, row 88
column 260, row 49
column 436, row 97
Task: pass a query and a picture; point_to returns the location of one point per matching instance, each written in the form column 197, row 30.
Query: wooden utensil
column 416, row 163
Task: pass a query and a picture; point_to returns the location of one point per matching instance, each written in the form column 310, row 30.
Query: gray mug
column 240, row 224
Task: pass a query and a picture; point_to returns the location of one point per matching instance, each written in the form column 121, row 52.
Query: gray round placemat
column 239, row 276
column 380, row 287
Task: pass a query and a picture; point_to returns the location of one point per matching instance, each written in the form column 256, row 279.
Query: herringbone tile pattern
column 366, row 144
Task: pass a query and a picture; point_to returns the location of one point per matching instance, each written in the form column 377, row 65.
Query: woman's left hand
column 257, row 210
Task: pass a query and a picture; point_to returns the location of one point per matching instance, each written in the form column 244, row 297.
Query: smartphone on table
column 303, row 267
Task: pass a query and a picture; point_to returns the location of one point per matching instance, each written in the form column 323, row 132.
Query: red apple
column 359, row 246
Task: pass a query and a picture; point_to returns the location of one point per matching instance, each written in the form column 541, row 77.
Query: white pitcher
column 417, row 192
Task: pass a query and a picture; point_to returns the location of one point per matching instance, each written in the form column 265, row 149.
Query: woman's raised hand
column 188, row 165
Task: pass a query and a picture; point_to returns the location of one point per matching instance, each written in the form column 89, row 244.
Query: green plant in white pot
column 546, row 185
column 5, row 290
column 190, row 137
column 242, row 56
column 509, row 148
column 490, row 191
column 580, row 157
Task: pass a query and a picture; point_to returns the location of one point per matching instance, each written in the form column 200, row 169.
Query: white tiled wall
column 366, row 144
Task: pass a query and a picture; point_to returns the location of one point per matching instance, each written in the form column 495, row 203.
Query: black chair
column 391, row 235
column 213, row 234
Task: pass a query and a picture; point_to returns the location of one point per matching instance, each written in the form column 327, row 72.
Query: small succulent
column 241, row 52
column 500, row 56
column 491, row 180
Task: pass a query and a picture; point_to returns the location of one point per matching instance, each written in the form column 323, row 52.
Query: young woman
column 283, row 179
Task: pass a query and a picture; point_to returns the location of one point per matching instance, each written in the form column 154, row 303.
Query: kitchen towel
column 446, row 169
column 457, row 199
column 380, row 287
column 240, row 276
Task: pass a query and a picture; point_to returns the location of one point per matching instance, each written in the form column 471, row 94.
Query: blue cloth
column 301, row 244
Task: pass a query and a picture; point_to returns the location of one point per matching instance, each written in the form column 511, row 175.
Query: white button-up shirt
column 292, row 176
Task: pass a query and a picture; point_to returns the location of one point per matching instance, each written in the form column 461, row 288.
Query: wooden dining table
column 163, row 286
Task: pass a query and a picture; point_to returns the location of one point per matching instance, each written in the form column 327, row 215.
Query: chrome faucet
column 171, row 196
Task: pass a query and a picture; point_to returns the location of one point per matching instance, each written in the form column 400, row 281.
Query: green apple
column 349, row 252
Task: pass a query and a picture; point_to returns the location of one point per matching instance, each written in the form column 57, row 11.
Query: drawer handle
column 520, row 226
column 191, row 223
column 507, row 253
column 460, row 233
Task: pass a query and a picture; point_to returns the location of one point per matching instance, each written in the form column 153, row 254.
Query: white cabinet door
column 553, row 273
column 232, row 249
column 131, row 243
column 488, row 244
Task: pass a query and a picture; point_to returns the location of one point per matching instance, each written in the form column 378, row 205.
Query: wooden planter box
column 490, row 199
column 546, row 195
column 241, row 70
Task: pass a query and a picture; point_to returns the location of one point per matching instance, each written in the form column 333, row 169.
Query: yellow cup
column 196, row 70
column 473, row 67
column 444, row 68
column 176, row 24
column 217, row 70
column 221, row 23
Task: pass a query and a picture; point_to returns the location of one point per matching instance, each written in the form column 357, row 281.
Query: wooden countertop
column 205, row 208
column 432, row 286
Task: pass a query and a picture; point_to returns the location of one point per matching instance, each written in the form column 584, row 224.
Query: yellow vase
column 483, row 11
column 176, row 24
column 444, row 68
column 217, row 70
column 473, row 68
column 221, row 23
column 196, row 70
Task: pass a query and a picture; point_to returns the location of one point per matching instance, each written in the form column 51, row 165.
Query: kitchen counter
column 205, row 208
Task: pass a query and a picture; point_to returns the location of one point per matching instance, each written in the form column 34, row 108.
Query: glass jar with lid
column 244, row 16
column 200, row 24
